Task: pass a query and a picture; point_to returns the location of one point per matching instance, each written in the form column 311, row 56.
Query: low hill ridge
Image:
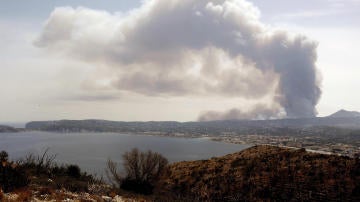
column 265, row 173
column 344, row 113
column 7, row 129
column 212, row 127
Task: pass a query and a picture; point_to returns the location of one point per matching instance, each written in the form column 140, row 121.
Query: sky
column 177, row 60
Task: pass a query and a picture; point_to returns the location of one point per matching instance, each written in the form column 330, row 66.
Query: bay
column 92, row 150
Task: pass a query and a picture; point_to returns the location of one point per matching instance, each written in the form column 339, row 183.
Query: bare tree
column 143, row 166
column 142, row 170
column 112, row 173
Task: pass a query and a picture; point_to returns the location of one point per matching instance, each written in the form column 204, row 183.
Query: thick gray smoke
column 203, row 48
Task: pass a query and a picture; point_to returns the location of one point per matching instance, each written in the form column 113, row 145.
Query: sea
column 92, row 150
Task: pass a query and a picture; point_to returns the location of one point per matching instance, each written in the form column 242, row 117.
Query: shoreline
column 330, row 148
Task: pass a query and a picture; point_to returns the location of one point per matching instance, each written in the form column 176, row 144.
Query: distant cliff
column 265, row 173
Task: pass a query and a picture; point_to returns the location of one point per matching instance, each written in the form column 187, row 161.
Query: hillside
column 260, row 173
column 343, row 113
column 265, row 173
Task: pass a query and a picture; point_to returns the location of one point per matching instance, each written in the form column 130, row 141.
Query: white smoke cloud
column 192, row 48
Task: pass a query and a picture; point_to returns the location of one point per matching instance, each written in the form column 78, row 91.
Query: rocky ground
column 62, row 195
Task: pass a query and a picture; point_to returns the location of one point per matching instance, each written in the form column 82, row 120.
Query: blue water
column 91, row 150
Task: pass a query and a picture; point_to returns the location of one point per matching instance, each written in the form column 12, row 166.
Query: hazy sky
column 128, row 60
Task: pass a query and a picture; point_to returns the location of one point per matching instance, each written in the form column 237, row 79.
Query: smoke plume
column 208, row 48
column 259, row 112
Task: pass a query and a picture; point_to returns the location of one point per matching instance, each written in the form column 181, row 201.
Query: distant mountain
column 343, row 113
column 261, row 127
column 264, row 173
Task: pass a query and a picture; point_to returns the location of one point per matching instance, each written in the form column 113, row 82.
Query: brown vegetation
column 142, row 169
column 260, row 173
column 264, row 173
column 40, row 172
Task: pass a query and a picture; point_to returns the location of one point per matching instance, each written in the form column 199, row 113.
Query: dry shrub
column 142, row 169
column 24, row 195
column 46, row 190
column 1, row 195
column 12, row 176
